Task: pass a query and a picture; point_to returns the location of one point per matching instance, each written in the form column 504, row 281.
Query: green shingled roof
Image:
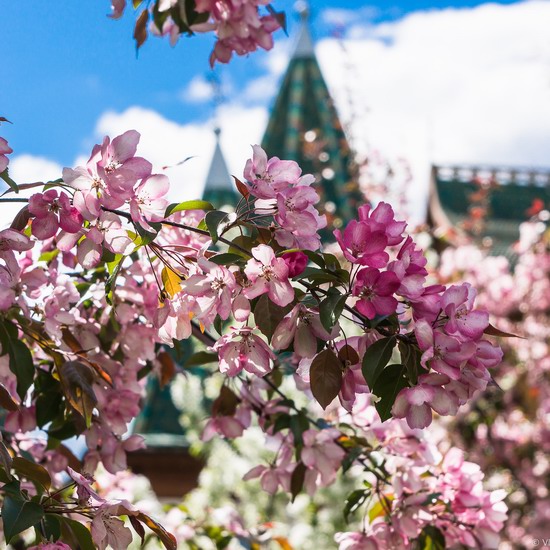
column 511, row 193
column 158, row 421
column 304, row 127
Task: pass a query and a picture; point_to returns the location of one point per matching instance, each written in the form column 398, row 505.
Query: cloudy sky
column 463, row 82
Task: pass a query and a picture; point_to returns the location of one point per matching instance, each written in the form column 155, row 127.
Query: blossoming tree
column 100, row 275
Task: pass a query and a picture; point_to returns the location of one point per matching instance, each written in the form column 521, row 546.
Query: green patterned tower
column 304, row 127
column 219, row 188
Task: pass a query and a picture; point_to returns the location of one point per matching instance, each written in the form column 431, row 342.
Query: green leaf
column 18, row 515
column 298, row 425
column 318, row 276
column 410, row 357
column 282, row 423
column 376, row 358
column 213, row 219
column 268, row 315
column 111, row 281
column 297, row 479
column 76, row 535
column 350, row 457
column 49, row 405
column 243, row 241
column 226, row 259
column 32, row 471
column 431, row 538
column 354, row 501
column 325, row 376
column 390, row 382
column 6, row 177
column 52, row 526
column 188, row 205
column 21, row 363
column 76, row 380
column 331, row 308
column 201, row 358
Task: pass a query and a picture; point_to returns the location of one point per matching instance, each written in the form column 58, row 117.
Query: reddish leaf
column 165, row 537
column 4, row 119
column 241, row 187
column 6, row 400
column 297, row 479
column 325, row 377
column 72, row 460
column 226, row 403
column 493, row 331
column 167, row 367
column 21, row 219
column 32, row 471
column 138, row 528
column 347, row 353
column 140, row 30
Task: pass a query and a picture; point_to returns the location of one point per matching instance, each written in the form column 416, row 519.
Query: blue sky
column 65, row 63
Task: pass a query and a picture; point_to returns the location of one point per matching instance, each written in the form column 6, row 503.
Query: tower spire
column 219, row 189
column 304, row 43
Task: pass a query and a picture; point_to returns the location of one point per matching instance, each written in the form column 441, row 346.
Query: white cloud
column 449, row 86
column 30, row 168
column 26, row 169
column 199, row 90
column 165, row 143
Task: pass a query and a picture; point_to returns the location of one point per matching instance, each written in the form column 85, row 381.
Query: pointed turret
column 219, row 188
column 304, row 127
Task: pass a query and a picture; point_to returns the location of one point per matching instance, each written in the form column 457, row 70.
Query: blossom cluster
column 505, row 430
column 146, row 275
column 237, row 24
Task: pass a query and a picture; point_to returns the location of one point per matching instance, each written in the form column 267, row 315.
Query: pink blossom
column 118, row 160
column 241, row 349
column 5, row 149
column 416, row 403
column 410, row 270
column 363, row 245
column 174, row 318
column 266, row 177
column 268, row 274
column 296, row 262
column 296, row 212
column 84, row 486
column 118, row 8
column 444, row 354
column 21, row 420
column 355, row 541
column 457, row 303
column 149, row 203
column 108, row 530
column 301, row 327
column 375, row 291
column 322, row 456
column 11, row 239
column 52, row 212
column 382, row 218
column 213, row 290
